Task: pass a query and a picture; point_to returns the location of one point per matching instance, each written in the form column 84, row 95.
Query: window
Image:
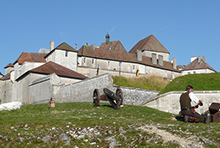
column 119, row 64
column 66, row 54
column 133, row 67
column 93, row 61
column 84, row 60
column 108, row 63
column 194, row 71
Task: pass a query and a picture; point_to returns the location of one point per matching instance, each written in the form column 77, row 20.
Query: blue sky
column 185, row 28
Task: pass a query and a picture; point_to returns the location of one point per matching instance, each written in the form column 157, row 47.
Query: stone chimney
column 204, row 59
column 199, row 59
column 154, row 58
column 160, row 57
column 139, row 55
column 51, row 45
column 174, row 63
column 93, row 46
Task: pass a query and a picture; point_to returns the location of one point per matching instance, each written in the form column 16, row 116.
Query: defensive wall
column 169, row 102
column 136, row 96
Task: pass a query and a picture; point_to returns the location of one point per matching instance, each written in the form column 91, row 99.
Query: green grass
column 198, row 81
column 144, row 82
column 33, row 122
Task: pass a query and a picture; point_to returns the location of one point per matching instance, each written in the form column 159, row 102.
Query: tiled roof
column 113, row 45
column 65, row 46
column 9, row 65
column 149, row 43
column 6, row 77
column 62, row 46
column 121, row 56
column 59, row 70
column 31, row 57
column 198, row 65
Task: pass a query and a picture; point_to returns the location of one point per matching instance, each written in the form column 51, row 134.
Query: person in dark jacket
column 187, row 110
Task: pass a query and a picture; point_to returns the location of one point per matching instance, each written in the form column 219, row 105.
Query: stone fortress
column 64, row 73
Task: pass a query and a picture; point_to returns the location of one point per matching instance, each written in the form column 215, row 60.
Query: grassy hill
column 198, row 81
column 82, row 125
column 145, row 82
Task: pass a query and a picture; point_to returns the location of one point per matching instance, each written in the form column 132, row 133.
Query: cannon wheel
column 96, row 98
column 120, row 95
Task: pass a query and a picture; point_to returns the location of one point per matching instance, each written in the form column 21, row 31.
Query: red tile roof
column 113, row 45
column 149, row 43
column 31, row 57
column 121, row 56
column 62, row 46
column 9, row 65
column 198, row 65
column 6, row 77
column 65, row 46
column 59, row 70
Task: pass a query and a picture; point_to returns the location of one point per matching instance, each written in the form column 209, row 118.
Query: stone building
column 37, row 77
column 196, row 66
column 148, row 56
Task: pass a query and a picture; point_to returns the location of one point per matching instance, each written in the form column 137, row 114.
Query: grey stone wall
column 169, row 102
column 81, row 91
column 136, row 96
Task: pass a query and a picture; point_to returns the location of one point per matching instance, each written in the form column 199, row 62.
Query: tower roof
column 149, row 43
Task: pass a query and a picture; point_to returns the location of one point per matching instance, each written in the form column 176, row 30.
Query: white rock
column 10, row 106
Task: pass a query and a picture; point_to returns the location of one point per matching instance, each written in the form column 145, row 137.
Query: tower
column 107, row 38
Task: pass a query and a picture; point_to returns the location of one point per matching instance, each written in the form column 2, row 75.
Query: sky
column 185, row 28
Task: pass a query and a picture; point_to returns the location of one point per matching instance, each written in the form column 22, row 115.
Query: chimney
column 204, row 59
column 93, row 46
column 193, row 58
column 199, row 59
column 174, row 63
column 139, row 55
column 154, row 59
column 51, row 45
column 160, row 57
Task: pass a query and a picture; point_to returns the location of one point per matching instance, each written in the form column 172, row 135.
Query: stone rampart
column 81, row 91
column 136, row 96
column 169, row 102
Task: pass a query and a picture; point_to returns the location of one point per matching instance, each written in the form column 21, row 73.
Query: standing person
column 189, row 111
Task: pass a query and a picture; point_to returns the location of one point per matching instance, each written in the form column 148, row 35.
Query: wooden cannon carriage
column 115, row 99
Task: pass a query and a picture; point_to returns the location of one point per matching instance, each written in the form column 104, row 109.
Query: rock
column 113, row 144
column 92, row 143
column 75, row 146
column 68, row 142
column 81, row 137
column 64, row 137
column 21, row 139
column 46, row 138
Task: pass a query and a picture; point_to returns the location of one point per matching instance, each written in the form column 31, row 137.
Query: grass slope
column 198, row 81
column 144, row 82
column 28, row 126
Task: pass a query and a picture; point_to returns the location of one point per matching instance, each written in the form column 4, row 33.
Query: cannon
column 115, row 99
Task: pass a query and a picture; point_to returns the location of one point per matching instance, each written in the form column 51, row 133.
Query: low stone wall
column 136, row 96
column 82, row 91
column 169, row 102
